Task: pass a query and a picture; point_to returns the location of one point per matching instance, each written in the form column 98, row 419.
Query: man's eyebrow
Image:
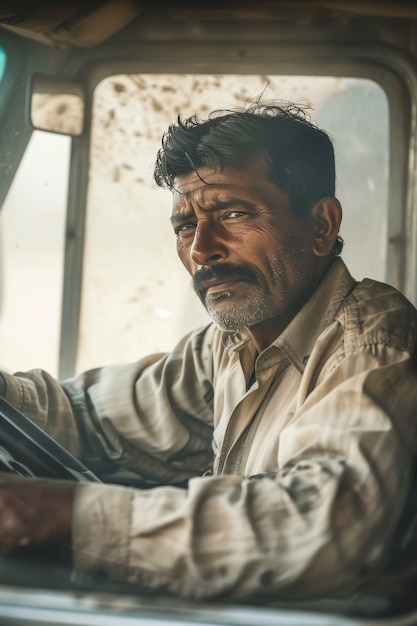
column 176, row 218
column 216, row 205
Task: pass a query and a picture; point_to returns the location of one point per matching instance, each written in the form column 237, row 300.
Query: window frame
column 387, row 65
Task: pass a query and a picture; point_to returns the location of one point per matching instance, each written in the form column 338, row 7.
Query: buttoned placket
column 239, row 432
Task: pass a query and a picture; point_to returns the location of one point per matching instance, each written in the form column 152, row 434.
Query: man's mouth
column 221, row 285
column 221, row 278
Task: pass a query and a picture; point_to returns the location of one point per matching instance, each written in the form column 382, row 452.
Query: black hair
column 297, row 155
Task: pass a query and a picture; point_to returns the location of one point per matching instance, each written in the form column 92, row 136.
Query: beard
column 230, row 311
column 250, row 311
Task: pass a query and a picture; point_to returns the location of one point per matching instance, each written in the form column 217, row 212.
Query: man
column 290, row 419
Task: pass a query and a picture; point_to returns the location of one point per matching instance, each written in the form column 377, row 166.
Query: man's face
column 250, row 257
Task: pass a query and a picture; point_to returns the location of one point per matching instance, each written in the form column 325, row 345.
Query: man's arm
column 126, row 425
column 129, row 450
column 321, row 524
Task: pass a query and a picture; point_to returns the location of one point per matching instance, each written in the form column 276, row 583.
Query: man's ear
column 326, row 216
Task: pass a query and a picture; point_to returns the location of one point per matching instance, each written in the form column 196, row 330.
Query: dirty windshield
column 135, row 292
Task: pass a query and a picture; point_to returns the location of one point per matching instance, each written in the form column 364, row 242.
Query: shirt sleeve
column 149, row 422
column 320, row 524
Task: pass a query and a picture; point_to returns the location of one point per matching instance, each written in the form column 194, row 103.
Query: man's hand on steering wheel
column 34, row 511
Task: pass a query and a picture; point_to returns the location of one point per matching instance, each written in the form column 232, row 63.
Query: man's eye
column 185, row 228
column 230, row 215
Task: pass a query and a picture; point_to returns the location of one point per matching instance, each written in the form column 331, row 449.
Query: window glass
column 136, row 296
column 32, row 241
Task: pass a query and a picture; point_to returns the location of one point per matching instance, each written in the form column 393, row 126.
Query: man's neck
column 265, row 333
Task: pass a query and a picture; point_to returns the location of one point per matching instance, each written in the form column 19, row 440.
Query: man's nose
column 207, row 246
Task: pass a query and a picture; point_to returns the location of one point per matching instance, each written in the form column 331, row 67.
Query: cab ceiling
column 91, row 23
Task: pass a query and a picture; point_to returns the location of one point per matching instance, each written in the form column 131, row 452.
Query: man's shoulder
column 380, row 297
column 375, row 312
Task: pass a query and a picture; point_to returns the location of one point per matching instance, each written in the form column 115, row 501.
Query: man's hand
column 34, row 511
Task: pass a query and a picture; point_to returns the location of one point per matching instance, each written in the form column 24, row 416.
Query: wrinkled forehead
column 205, row 177
column 203, row 186
column 208, row 188
column 219, row 174
column 206, row 196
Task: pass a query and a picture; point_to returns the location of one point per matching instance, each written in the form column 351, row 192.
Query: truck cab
column 89, row 273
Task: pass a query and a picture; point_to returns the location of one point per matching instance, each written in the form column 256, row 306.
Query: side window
column 32, row 225
column 136, row 296
column 357, row 116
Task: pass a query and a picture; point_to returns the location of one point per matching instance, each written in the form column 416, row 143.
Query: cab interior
column 88, row 268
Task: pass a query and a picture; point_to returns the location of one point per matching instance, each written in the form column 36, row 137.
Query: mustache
column 227, row 271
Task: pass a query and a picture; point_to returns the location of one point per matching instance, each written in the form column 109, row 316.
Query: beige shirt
column 312, row 443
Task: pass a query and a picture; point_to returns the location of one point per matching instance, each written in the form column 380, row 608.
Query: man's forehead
column 215, row 189
column 249, row 175
column 205, row 187
column 205, row 178
column 206, row 197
